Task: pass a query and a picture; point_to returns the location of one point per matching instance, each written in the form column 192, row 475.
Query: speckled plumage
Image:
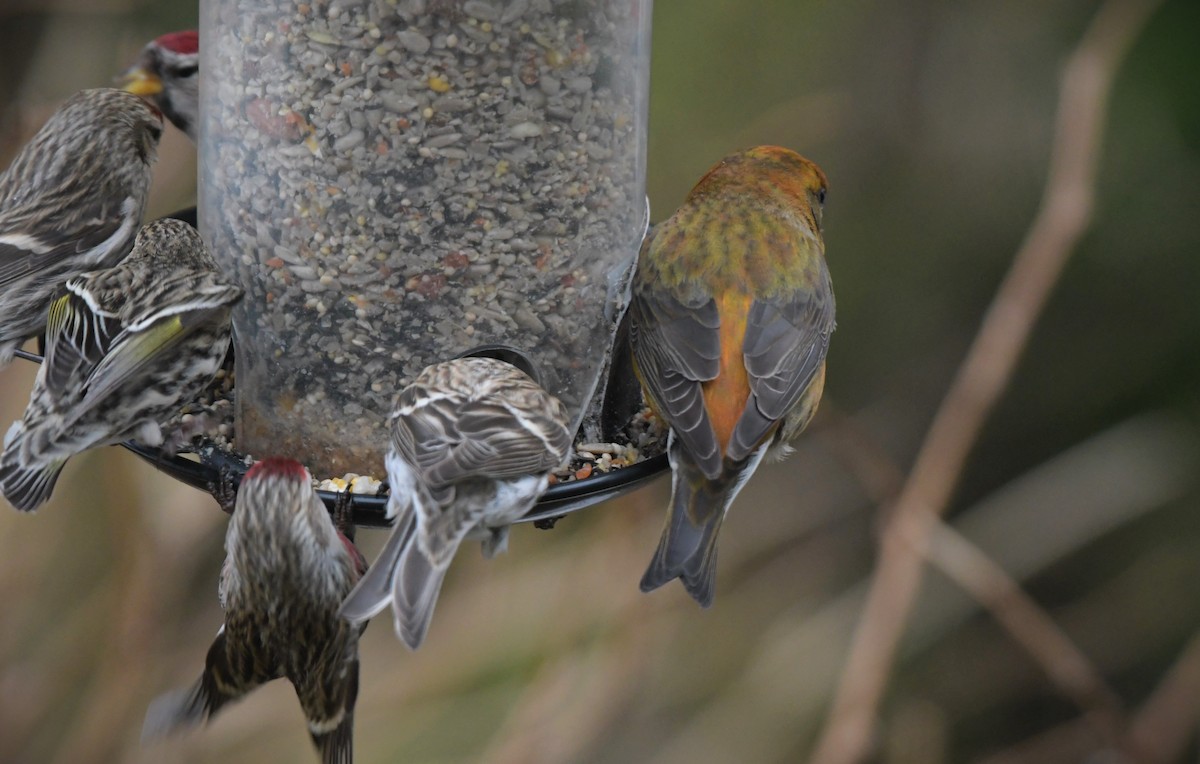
column 730, row 322
column 70, row 202
column 126, row 347
column 287, row 570
column 474, row 441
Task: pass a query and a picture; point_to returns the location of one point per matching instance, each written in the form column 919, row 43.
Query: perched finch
column 71, row 202
column 168, row 73
column 729, row 323
column 126, row 347
column 474, row 441
column 287, row 569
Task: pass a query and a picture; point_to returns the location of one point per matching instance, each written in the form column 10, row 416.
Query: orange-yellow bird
column 730, row 322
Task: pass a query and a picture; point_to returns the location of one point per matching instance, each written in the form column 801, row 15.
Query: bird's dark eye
column 155, row 131
column 821, row 195
column 184, row 72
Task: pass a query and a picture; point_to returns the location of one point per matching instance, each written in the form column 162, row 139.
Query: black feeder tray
column 218, row 470
column 369, row 511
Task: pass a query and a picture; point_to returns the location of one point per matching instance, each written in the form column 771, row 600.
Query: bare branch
column 1030, row 626
column 1167, row 720
column 1063, row 216
column 1159, row 731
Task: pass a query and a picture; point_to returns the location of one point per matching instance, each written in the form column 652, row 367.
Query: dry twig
column 1167, row 720
column 1159, row 731
column 1030, row 626
column 1064, row 215
column 1026, row 622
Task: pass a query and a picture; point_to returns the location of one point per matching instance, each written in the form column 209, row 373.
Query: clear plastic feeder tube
column 398, row 181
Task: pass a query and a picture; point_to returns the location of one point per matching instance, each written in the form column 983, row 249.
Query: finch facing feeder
column 398, row 183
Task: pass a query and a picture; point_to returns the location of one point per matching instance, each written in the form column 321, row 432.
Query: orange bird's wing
column 784, row 347
column 676, row 347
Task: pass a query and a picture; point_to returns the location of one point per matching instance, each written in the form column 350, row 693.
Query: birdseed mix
column 398, row 181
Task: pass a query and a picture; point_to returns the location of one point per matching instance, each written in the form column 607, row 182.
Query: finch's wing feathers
column 784, row 346
column 179, row 708
column 27, row 248
column 158, row 295
column 442, row 527
column 89, row 346
column 135, row 350
column 450, row 438
column 20, row 256
column 677, row 346
column 77, row 337
column 497, row 441
column 191, row 706
column 130, row 355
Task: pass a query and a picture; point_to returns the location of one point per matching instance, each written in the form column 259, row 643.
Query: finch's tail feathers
column 415, row 592
column 405, row 575
column 28, row 488
column 699, row 574
column 328, row 699
column 373, row 592
column 337, row 745
column 688, row 547
column 423, row 563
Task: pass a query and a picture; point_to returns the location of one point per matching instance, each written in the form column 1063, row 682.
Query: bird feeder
column 396, row 182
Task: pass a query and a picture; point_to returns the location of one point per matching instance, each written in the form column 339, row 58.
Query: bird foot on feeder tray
column 224, row 489
column 343, row 513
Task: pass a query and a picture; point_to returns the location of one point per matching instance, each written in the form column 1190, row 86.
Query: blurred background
column 933, row 121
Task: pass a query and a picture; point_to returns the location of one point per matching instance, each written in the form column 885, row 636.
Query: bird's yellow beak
column 140, row 82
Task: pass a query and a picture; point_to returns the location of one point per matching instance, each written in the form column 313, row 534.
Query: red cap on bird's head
column 184, row 43
column 278, row 467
